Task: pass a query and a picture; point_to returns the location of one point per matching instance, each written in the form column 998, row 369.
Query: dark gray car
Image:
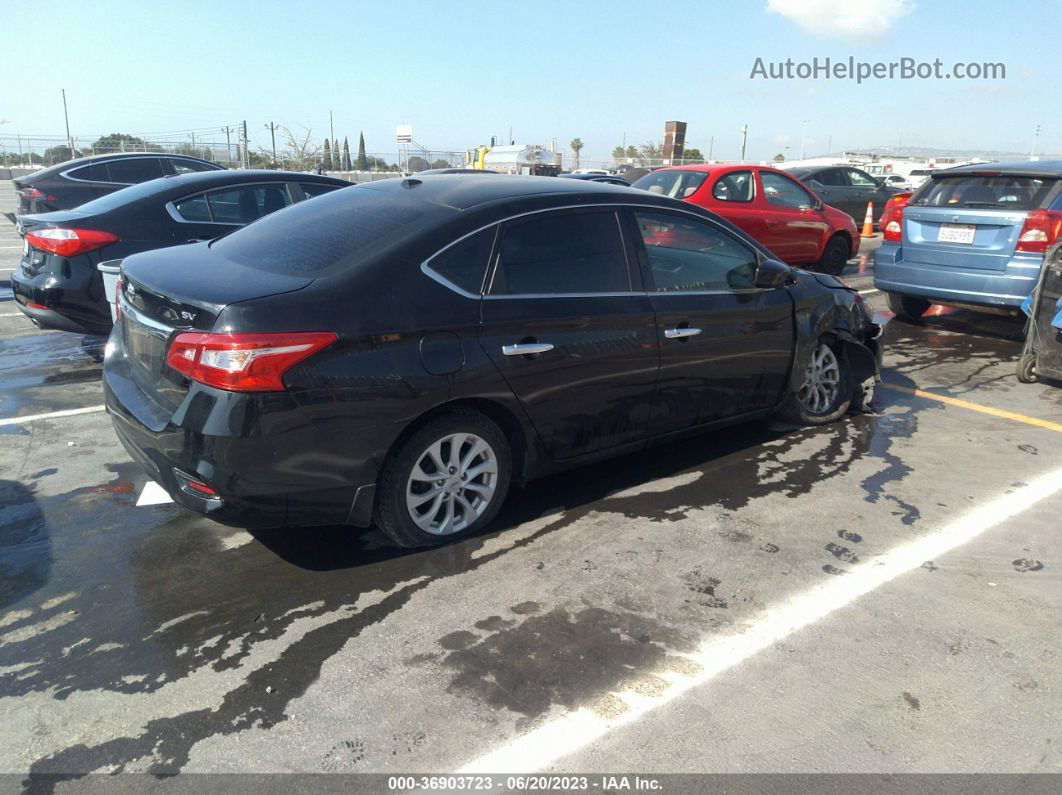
column 846, row 188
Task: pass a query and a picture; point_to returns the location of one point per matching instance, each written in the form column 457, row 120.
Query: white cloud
column 856, row 20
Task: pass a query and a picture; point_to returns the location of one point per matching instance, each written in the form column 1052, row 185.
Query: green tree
column 692, row 155
column 121, row 142
column 577, row 146
column 337, row 161
column 633, row 153
column 347, row 165
column 417, row 163
column 618, row 154
column 440, row 163
column 651, row 151
column 363, row 162
column 326, row 156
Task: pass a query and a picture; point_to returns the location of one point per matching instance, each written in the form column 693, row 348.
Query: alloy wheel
column 452, row 483
column 822, row 381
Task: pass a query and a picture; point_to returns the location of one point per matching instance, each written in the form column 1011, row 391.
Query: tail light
column 33, row 193
column 891, row 221
column 243, row 362
column 69, row 242
column 1040, row 232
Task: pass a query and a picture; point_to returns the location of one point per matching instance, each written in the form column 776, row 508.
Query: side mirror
column 773, row 273
column 817, row 205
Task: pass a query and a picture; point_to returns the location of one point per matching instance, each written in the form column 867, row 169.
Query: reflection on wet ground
column 49, row 371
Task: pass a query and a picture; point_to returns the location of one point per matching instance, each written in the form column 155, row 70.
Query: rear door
column 833, row 187
column 725, row 345
column 569, row 326
column 866, row 189
column 971, row 222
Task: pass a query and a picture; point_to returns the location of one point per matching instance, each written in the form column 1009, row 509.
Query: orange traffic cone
column 868, row 221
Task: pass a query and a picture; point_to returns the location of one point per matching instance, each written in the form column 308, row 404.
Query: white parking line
column 555, row 739
column 12, row 314
column 868, row 292
column 50, row 416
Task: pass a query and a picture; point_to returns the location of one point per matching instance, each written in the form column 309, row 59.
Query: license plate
column 956, row 233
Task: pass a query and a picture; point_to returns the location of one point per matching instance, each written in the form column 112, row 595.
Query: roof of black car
column 462, row 191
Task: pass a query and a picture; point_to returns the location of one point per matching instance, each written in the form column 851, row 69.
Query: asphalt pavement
column 879, row 595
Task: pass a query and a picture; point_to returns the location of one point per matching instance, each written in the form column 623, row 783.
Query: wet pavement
column 150, row 639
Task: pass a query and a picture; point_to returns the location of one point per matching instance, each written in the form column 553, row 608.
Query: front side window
column 783, row 192
column 859, row 179
column 571, row 252
column 737, row 186
column 247, row 203
column 676, row 184
column 135, row 169
column 687, row 255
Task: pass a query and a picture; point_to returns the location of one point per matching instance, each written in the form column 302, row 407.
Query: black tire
column 797, row 411
column 835, row 255
column 392, row 514
column 1026, row 369
column 907, row 307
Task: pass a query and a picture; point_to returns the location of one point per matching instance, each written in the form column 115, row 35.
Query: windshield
column 676, row 184
column 329, row 233
column 1002, row 192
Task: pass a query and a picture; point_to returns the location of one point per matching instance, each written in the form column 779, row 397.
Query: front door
column 795, row 229
column 568, row 324
column 725, row 345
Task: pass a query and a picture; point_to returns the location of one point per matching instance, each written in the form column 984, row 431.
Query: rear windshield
column 999, row 192
column 327, row 234
column 122, row 197
column 677, row 184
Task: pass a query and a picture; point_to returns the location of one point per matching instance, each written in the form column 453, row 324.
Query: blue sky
column 462, row 71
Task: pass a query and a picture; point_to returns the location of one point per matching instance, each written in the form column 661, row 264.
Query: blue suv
column 972, row 236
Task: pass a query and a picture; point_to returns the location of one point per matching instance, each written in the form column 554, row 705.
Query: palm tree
column 577, row 146
column 618, row 154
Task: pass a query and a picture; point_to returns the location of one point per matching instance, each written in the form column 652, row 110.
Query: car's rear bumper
column 942, row 284
column 71, row 303
column 269, row 467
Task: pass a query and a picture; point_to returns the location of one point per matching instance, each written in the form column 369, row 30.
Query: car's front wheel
column 834, row 255
column 826, row 390
column 447, row 480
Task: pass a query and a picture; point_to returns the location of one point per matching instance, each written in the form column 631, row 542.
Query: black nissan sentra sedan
column 57, row 284
column 401, row 352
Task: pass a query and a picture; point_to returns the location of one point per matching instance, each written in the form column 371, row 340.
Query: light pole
column 803, row 137
column 1036, row 138
column 66, row 117
column 744, row 140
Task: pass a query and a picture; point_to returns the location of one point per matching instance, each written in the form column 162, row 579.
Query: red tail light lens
column 891, row 221
column 243, row 362
column 30, row 193
column 69, row 242
column 1040, row 232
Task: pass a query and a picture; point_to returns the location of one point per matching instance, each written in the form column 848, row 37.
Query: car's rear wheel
column 447, row 480
column 826, row 391
column 907, row 307
column 834, row 255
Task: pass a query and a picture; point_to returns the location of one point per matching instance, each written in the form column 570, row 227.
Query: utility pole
column 711, row 146
column 803, row 138
column 246, row 146
column 66, row 117
column 744, row 140
column 273, row 138
column 228, row 144
column 1036, row 138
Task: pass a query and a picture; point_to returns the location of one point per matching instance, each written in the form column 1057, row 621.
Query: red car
column 773, row 207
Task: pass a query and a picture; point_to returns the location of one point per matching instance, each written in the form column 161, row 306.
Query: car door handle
column 681, row 333
column 526, row 348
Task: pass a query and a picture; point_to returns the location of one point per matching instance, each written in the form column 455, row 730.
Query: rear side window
column 571, row 252
column 96, row 172
column 676, row 184
column 333, row 232
column 190, row 166
column 133, row 170
column 984, row 192
column 312, row 189
column 246, row 203
column 465, row 263
column 194, row 208
column 734, row 187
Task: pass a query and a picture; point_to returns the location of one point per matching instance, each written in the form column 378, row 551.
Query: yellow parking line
column 965, row 404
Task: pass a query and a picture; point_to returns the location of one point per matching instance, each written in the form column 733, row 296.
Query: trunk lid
column 184, row 288
column 964, row 238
